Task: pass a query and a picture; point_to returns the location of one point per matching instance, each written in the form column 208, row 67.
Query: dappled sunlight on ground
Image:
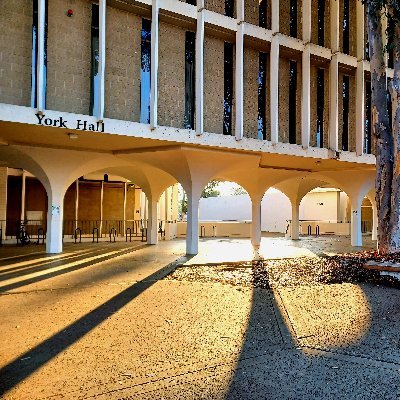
column 327, row 316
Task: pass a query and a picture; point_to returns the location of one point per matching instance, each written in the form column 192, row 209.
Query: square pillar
column 200, row 70
column 152, row 221
column 154, row 64
column 192, row 232
column 306, row 97
column 54, row 234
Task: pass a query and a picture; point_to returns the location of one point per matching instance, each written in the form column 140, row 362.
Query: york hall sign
column 80, row 124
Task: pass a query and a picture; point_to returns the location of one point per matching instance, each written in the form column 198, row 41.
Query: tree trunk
column 394, row 241
column 380, row 128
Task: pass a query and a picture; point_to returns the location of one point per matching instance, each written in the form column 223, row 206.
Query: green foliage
column 211, row 190
column 237, row 191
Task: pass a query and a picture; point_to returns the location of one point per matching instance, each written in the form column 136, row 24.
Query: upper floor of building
column 275, row 76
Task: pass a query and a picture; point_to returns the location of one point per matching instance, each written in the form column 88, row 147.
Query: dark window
column 368, row 119
column 228, row 87
column 192, row 2
column 346, row 26
column 262, row 96
column 35, row 49
column 292, row 101
column 145, row 67
column 293, row 18
column 229, row 8
column 190, row 43
column 321, row 22
column 320, row 107
column 94, row 75
column 346, row 103
column 262, row 13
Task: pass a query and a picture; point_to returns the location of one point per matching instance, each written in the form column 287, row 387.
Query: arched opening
column 224, row 211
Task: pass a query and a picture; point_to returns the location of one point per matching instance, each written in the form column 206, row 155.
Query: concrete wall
column 69, row 57
column 123, row 63
column 171, row 78
column 213, row 84
column 284, row 18
column 327, row 23
column 15, row 51
column 276, row 208
column 251, row 65
column 313, row 117
column 251, row 12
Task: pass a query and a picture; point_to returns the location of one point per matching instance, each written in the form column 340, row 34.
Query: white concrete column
column 40, row 74
column 76, row 203
column 101, row 207
column 54, row 235
column 152, row 221
column 275, row 16
column 334, row 78
column 374, row 222
column 306, row 97
column 102, row 58
column 200, row 69
column 239, row 72
column 295, row 226
column 356, row 234
column 124, row 209
column 256, row 222
column 360, row 108
column 154, row 64
column 306, row 14
column 23, row 195
column 274, row 89
column 334, row 103
column 192, row 232
column 335, row 25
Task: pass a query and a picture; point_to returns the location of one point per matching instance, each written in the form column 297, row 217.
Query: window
column 262, row 96
column 229, row 8
column 368, row 119
column 145, row 67
column 262, row 14
column 346, row 103
column 320, row 107
column 35, row 45
column 190, row 43
column 293, row 18
column 292, row 101
column 94, row 73
column 346, row 27
column 228, row 87
column 192, row 2
column 321, row 22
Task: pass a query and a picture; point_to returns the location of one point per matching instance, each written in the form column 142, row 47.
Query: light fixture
column 73, row 136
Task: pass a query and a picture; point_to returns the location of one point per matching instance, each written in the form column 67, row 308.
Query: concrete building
column 271, row 93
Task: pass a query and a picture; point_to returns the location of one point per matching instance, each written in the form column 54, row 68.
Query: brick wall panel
column 69, row 57
column 15, row 51
column 171, row 78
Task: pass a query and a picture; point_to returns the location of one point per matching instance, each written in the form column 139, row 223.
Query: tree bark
column 381, row 128
column 394, row 241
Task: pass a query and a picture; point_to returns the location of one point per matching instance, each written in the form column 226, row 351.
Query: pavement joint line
column 350, row 358
column 188, row 373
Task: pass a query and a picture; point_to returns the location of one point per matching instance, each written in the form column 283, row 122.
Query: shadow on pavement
column 28, row 363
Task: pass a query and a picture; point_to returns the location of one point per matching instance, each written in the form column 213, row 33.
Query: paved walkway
column 100, row 322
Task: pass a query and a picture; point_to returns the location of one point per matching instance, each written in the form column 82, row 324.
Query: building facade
column 270, row 93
